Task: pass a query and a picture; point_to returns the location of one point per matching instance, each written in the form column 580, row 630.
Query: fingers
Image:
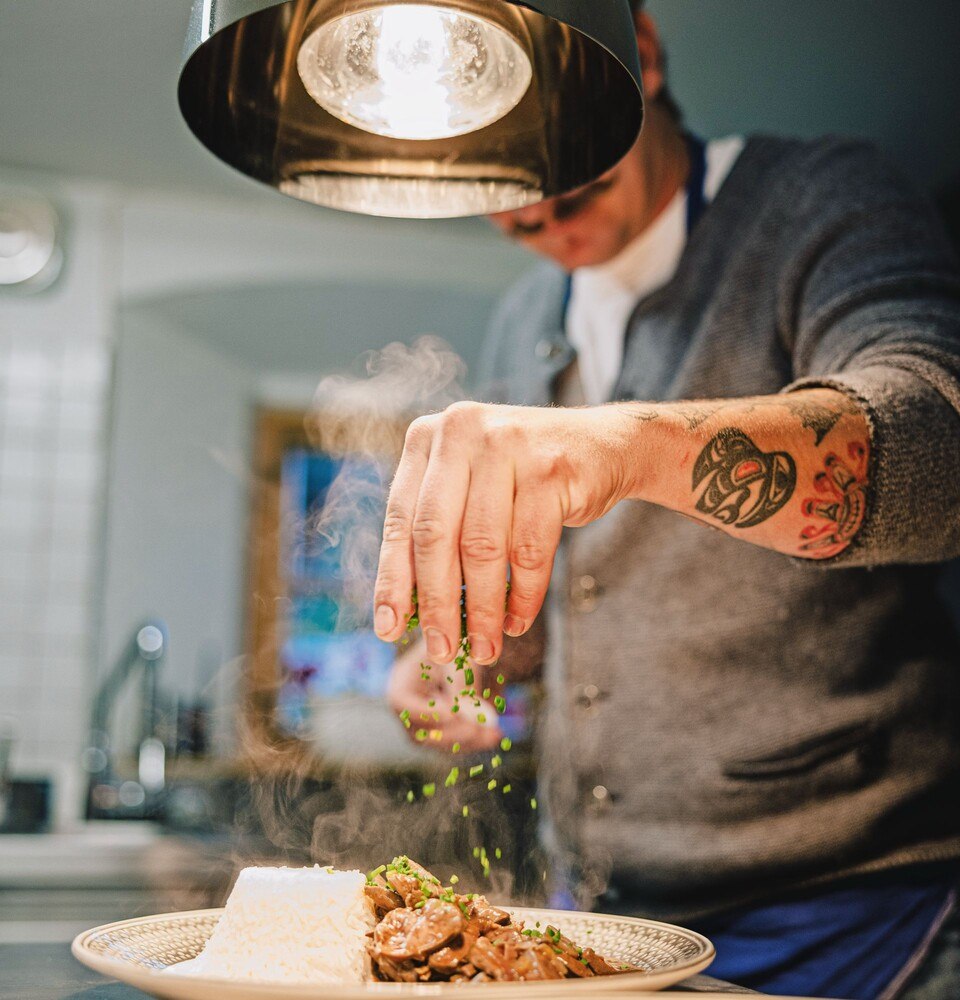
column 395, row 576
column 472, row 496
column 484, row 541
column 436, row 534
column 534, row 540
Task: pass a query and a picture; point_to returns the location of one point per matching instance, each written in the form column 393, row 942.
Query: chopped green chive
column 465, row 811
column 456, row 748
column 498, row 854
column 500, row 678
column 491, row 784
column 507, row 788
column 506, row 744
column 486, row 692
column 481, row 718
column 429, row 790
column 452, row 777
column 410, row 796
column 420, row 734
column 476, row 770
column 496, row 761
column 500, row 704
column 533, row 803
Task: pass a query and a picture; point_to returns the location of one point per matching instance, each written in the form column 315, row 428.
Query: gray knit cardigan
column 725, row 723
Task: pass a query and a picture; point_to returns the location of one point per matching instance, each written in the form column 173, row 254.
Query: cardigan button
column 548, row 350
column 585, row 593
column 587, row 695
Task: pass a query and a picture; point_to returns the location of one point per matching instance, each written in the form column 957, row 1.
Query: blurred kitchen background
column 160, row 592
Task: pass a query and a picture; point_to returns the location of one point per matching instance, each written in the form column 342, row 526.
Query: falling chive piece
column 500, row 704
column 481, row 718
column 410, row 796
column 498, row 854
column 507, row 788
column 476, row 770
column 465, row 811
column 452, row 777
column 533, row 803
column 455, row 748
column 429, row 790
column 496, row 760
column 491, row 784
column 500, row 678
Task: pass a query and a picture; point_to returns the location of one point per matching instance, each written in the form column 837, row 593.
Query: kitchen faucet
column 106, row 796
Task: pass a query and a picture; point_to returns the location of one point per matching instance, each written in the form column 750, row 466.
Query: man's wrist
column 643, row 437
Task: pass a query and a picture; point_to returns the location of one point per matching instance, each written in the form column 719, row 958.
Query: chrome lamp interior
column 415, row 108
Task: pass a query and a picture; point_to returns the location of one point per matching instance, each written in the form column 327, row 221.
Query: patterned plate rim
column 122, row 969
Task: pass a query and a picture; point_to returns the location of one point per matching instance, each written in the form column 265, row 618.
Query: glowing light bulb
column 414, row 71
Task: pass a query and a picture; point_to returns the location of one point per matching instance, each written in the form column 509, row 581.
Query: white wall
column 177, row 508
column 54, row 377
column 86, row 550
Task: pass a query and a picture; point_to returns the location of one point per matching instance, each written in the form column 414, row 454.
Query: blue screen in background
column 333, row 513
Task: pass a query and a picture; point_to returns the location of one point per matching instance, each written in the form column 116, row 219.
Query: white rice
column 290, row 925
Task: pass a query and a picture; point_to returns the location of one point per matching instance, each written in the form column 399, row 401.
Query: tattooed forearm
column 816, row 416
column 738, row 484
column 643, row 416
column 841, row 504
column 813, row 414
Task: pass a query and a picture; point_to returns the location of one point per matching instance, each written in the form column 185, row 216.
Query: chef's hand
column 430, row 702
column 482, row 489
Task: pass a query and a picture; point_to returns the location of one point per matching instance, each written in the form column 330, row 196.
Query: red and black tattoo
column 841, row 505
column 739, row 484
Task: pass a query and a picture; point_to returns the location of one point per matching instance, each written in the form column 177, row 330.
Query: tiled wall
column 54, row 387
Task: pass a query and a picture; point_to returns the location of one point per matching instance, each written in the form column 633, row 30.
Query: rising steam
column 341, row 812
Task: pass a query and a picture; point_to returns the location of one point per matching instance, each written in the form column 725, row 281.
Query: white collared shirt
column 603, row 298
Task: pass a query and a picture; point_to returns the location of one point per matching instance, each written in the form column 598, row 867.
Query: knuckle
column 396, row 526
column 428, row 531
column 481, row 547
column 418, row 434
column 503, row 433
column 461, row 417
column 529, row 556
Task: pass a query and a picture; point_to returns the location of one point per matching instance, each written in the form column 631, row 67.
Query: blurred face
column 588, row 227
column 593, row 225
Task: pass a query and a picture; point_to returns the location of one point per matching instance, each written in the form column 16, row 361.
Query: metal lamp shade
column 242, row 95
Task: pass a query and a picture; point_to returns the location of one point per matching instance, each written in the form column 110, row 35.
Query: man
column 761, row 739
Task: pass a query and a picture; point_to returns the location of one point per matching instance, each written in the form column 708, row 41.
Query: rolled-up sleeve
column 870, row 305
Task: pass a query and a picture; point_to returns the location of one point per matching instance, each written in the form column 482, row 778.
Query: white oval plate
column 137, row 951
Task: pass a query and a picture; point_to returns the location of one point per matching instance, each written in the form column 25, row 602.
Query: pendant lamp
column 415, row 108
